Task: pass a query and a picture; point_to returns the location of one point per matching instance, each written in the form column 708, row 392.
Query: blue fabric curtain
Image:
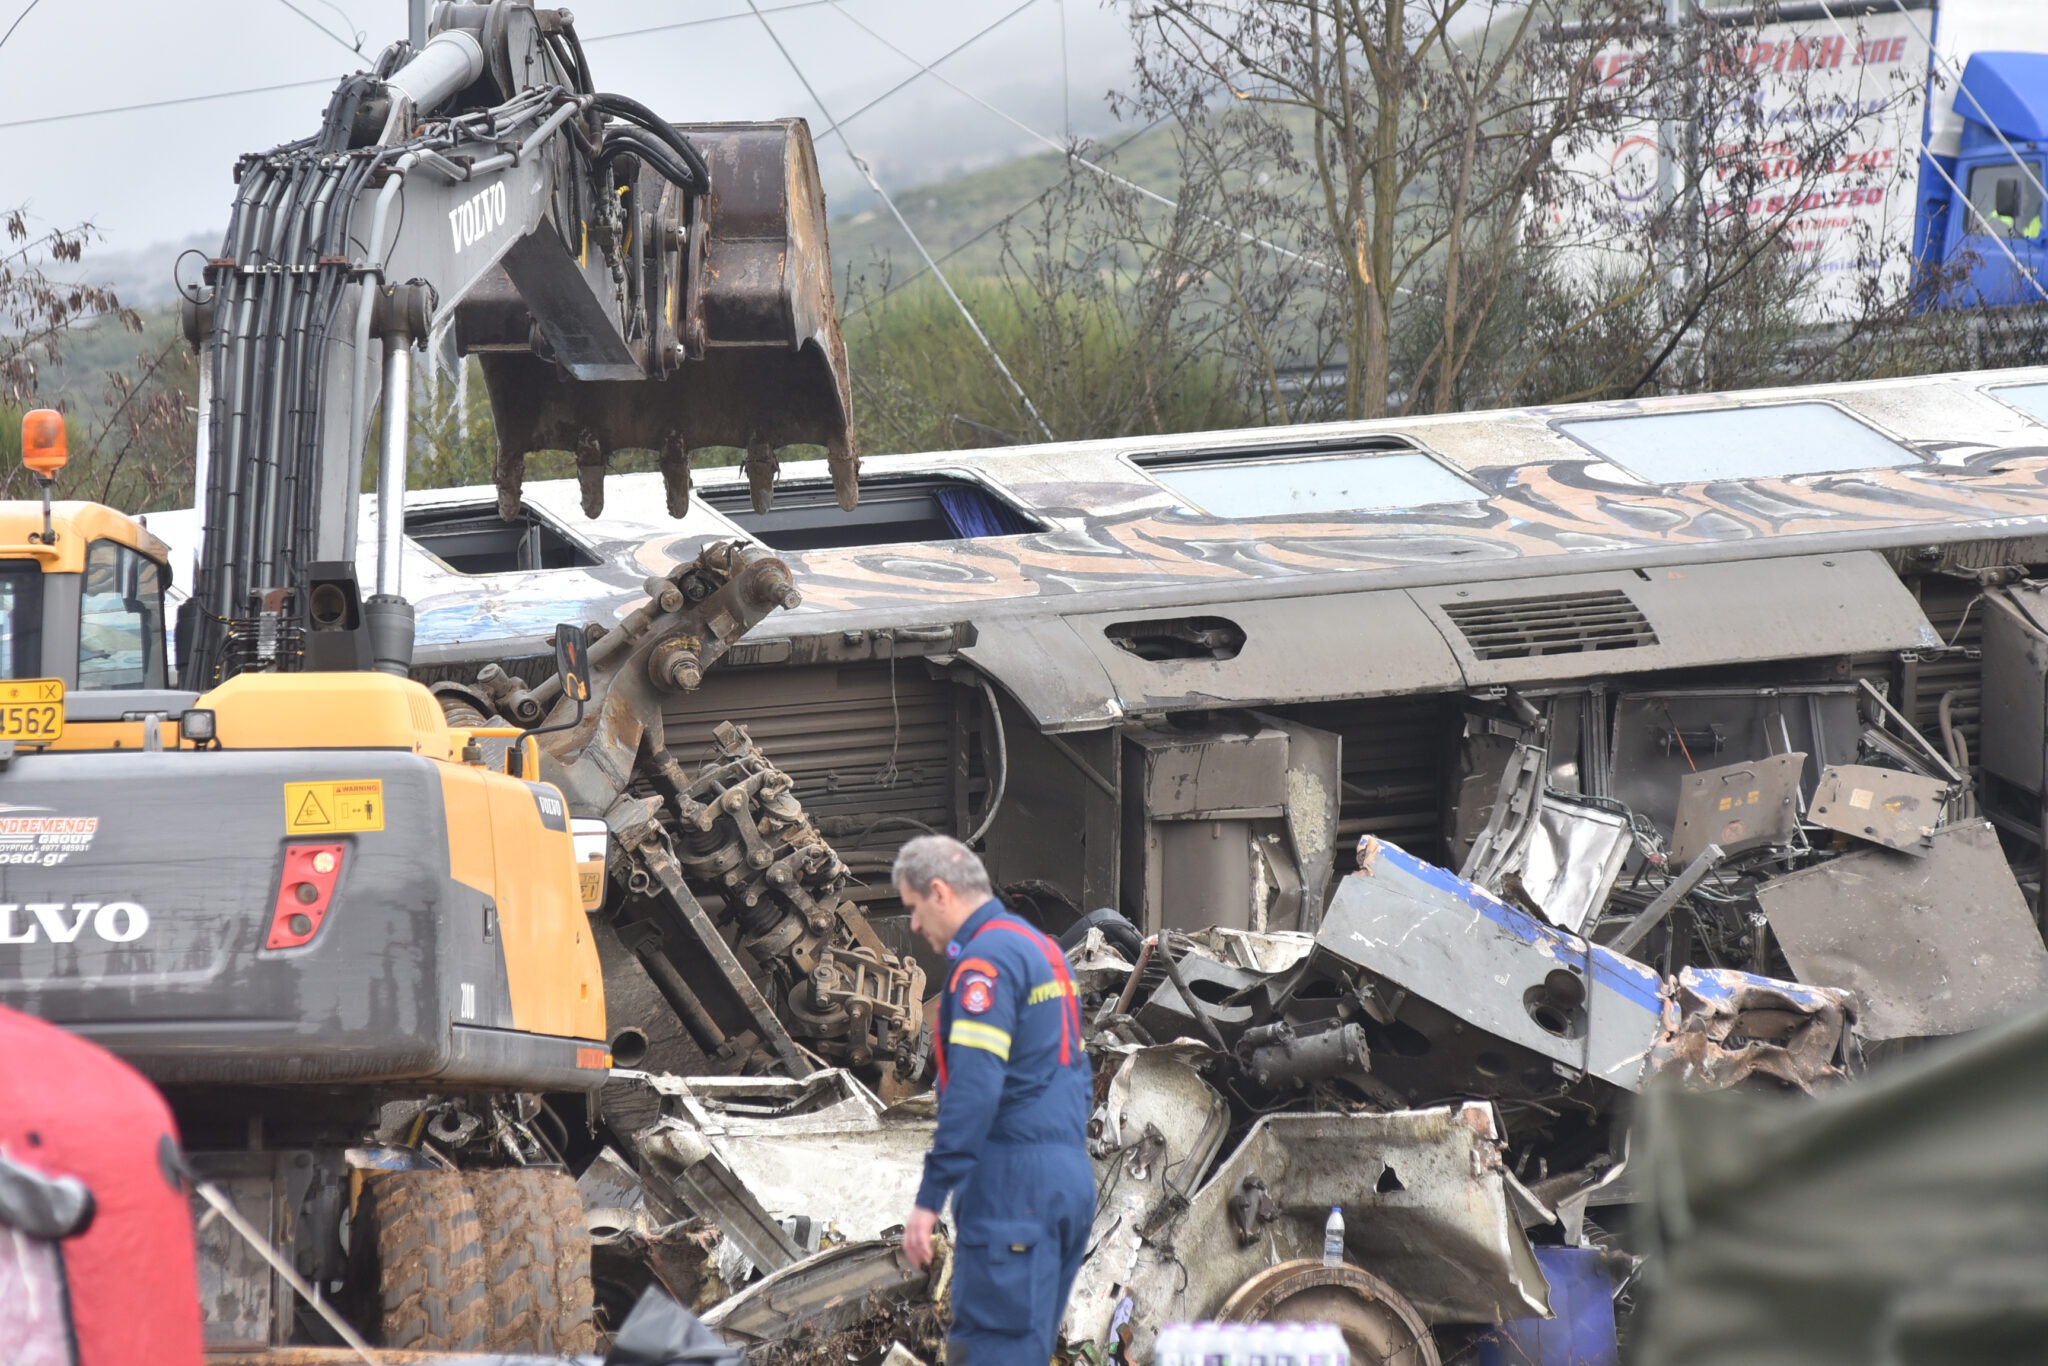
column 975, row 514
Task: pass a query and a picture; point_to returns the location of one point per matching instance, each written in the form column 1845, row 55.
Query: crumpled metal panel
column 1152, row 1138
column 823, row 1294
column 1571, row 860
column 1737, row 807
column 1259, row 951
column 1935, row 944
column 1443, row 1232
column 1722, row 1027
column 792, row 1144
column 1883, row 805
column 1493, row 966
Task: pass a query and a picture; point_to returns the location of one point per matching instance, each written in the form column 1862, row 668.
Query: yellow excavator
column 339, row 917
column 343, row 902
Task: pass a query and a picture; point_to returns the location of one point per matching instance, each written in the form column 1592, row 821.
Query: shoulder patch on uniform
column 973, row 965
column 977, row 996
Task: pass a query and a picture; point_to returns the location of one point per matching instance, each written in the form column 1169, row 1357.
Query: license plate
column 31, row 710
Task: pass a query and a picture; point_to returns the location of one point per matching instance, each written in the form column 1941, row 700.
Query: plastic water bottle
column 1333, row 1237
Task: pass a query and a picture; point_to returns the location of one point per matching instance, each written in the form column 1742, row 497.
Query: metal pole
column 391, row 462
column 1669, row 153
column 418, row 30
column 202, row 455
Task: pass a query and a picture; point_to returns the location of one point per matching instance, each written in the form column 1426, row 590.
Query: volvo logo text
column 476, row 217
column 62, row 922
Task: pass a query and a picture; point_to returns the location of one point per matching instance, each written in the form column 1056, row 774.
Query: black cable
column 630, row 141
column 625, row 107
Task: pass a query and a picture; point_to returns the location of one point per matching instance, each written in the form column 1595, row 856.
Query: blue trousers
column 1023, row 1216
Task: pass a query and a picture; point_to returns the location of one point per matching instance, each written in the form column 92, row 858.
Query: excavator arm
column 628, row 283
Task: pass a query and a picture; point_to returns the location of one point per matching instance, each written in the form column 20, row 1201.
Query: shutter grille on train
column 1565, row 623
column 853, row 754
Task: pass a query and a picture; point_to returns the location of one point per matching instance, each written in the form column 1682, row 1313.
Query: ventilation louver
column 1569, row 623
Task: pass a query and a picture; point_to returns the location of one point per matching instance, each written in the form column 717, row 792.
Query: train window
column 2031, row 399
column 1768, row 442
column 807, row 516
column 472, row 538
column 1282, row 480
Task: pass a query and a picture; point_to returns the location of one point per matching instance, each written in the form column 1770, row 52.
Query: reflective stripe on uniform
column 1070, row 1011
column 975, row 1034
column 1046, row 991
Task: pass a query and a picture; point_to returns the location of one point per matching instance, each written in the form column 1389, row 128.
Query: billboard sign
column 1814, row 124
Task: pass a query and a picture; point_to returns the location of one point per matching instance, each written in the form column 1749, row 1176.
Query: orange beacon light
column 42, row 441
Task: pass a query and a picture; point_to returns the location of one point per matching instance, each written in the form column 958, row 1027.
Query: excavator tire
column 419, row 1249
column 537, row 1261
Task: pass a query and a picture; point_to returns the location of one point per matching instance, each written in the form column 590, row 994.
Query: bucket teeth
column 761, row 468
column 675, row 474
column 590, row 473
column 845, row 464
column 510, row 478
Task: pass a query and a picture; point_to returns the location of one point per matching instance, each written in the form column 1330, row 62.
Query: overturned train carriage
column 1181, row 676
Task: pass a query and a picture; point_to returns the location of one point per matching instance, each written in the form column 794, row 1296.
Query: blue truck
column 1977, row 232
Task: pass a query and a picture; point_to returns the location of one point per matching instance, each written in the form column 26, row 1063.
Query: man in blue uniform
column 1014, row 1096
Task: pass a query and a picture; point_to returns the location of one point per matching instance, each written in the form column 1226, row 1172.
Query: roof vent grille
column 1569, row 623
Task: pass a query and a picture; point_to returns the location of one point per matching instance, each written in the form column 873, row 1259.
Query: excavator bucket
column 741, row 344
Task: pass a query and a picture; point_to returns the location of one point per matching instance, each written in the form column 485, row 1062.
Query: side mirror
column 572, row 666
column 572, row 662
column 2008, row 200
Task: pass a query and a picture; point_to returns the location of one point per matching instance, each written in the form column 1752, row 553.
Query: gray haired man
column 1014, row 1096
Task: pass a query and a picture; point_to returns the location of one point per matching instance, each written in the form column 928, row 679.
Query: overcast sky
column 159, row 175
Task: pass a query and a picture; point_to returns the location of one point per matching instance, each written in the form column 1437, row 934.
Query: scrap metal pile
column 1447, row 1057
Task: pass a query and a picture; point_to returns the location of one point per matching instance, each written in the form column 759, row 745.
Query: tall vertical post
column 1670, row 153
column 418, row 30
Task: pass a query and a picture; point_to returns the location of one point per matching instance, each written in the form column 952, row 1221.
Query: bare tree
column 1388, row 179
column 131, row 441
column 36, row 310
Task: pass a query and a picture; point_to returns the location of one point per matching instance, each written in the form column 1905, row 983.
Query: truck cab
column 1982, row 238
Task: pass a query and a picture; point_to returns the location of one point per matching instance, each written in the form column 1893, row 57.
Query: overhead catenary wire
column 995, row 226
column 1072, row 154
column 969, row 41
column 868, row 175
column 328, row 81
column 355, row 47
column 17, row 21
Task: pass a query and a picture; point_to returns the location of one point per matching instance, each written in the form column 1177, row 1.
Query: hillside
column 964, row 214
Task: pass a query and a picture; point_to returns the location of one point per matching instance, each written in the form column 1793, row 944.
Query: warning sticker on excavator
column 333, row 808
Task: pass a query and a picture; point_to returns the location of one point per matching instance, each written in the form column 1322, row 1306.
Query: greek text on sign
column 333, row 808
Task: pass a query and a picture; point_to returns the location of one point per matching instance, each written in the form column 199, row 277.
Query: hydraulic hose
column 631, row 110
column 620, row 142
